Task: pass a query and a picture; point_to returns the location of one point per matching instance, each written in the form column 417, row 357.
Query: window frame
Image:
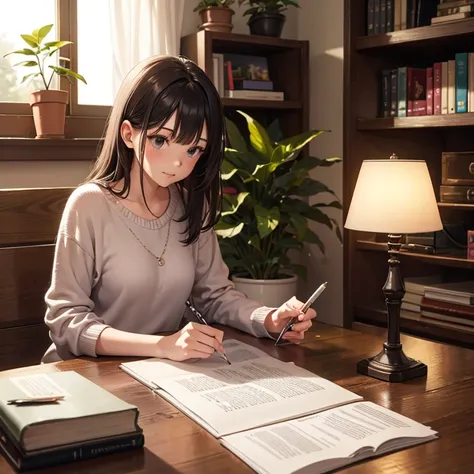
column 82, row 120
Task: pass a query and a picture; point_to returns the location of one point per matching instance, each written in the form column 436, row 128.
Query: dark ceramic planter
column 267, row 24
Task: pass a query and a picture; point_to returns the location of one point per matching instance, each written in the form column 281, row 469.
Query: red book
column 416, row 91
column 429, row 91
column 437, row 89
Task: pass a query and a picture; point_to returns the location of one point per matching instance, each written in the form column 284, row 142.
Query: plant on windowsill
column 266, row 17
column 263, row 214
column 216, row 15
column 48, row 105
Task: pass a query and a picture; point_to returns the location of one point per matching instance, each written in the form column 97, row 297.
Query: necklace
column 160, row 259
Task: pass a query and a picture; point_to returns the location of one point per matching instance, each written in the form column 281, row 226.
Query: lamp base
column 392, row 365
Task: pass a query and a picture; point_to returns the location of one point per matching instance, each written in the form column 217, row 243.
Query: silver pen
column 203, row 321
column 305, row 308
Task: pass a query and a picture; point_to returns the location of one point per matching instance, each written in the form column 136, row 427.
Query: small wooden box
column 457, row 168
column 457, row 194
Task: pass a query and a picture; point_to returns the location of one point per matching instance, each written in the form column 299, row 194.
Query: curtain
column 140, row 29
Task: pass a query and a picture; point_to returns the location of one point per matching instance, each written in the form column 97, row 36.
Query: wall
column 321, row 22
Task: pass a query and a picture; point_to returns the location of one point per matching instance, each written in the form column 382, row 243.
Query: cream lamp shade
column 394, row 196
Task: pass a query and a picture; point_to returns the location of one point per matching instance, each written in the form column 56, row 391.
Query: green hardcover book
column 86, row 413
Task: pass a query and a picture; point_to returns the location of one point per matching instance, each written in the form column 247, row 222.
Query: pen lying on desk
column 34, row 400
column 203, row 321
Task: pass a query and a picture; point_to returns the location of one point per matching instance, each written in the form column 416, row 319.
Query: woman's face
column 164, row 160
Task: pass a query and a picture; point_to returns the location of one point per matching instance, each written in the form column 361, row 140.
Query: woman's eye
column 194, row 152
column 158, row 142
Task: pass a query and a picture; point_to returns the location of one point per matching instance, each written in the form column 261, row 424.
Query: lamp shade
column 394, row 197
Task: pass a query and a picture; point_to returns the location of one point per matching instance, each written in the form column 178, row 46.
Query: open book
column 264, row 410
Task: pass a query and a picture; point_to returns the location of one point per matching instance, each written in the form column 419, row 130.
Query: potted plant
column 266, row 17
column 264, row 212
column 216, row 15
column 48, row 105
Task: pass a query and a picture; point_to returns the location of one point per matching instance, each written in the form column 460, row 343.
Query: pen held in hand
column 204, row 322
column 305, row 308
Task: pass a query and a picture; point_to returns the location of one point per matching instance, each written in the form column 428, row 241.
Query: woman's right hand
column 194, row 341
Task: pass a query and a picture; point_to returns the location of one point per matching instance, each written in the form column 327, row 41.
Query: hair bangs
column 189, row 102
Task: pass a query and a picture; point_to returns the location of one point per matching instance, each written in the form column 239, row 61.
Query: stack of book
column 86, row 422
column 453, row 10
column 443, row 304
column 446, row 87
column 239, row 76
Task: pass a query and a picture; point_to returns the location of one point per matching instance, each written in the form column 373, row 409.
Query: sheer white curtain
column 140, row 29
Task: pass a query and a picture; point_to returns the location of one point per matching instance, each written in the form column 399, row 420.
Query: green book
column 86, row 413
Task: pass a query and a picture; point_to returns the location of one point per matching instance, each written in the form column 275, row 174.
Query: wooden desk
column 174, row 443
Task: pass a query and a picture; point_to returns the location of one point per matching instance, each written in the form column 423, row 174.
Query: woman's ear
column 126, row 132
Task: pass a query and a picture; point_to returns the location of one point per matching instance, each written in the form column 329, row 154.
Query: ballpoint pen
column 305, row 308
column 203, row 321
column 34, row 400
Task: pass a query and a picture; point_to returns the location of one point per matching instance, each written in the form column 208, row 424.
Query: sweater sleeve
column 70, row 316
column 216, row 297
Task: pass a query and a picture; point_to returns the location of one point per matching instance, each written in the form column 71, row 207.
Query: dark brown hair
column 150, row 94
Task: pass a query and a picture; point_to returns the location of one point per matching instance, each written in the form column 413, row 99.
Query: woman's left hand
column 277, row 320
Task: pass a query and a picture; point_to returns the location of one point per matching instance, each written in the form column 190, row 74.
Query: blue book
column 461, row 81
column 402, row 92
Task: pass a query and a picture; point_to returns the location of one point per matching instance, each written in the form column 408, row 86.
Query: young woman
column 136, row 240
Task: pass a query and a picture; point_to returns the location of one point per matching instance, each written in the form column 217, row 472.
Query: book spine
column 385, row 94
column 403, row 14
column 451, row 86
column 389, row 16
column 393, row 92
column 437, row 89
column 429, row 91
column 461, row 82
column 397, row 15
column 402, row 92
column 370, row 17
column 444, row 87
column 470, row 78
column 383, row 16
column 376, row 17
column 409, row 91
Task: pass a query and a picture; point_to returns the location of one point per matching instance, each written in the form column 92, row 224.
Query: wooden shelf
column 423, row 121
column 412, row 324
column 452, row 205
column 426, row 34
column 261, row 104
column 453, row 259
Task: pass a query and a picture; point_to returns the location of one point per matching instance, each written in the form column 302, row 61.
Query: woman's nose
column 177, row 163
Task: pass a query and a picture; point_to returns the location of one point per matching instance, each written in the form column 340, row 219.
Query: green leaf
column 337, row 230
column 290, row 180
column 227, row 170
column 254, row 241
column 225, row 230
column 300, row 225
column 29, row 76
column 334, row 204
column 231, row 203
column 297, row 142
column 310, row 187
column 317, row 215
column 299, row 270
column 30, row 40
column 57, row 44
column 330, row 161
column 25, row 51
column 312, row 238
column 236, row 140
column 26, row 64
column 62, row 71
column 258, row 136
column 267, row 219
column 41, row 34
column 288, row 242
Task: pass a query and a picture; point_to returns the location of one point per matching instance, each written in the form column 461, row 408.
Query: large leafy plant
column 37, row 54
column 203, row 4
column 265, row 212
column 267, row 6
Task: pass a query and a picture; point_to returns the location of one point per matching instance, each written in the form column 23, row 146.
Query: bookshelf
column 367, row 135
column 288, row 64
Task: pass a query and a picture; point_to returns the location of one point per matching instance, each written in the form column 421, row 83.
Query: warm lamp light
column 393, row 197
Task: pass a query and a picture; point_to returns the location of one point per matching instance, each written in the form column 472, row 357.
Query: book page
column 252, row 393
column 330, row 439
column 151, row 371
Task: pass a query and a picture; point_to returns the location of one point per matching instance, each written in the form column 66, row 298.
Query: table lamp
column 394, row 197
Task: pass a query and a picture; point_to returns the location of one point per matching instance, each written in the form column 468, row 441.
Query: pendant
column 161, row 261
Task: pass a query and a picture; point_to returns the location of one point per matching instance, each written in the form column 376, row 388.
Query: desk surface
column 174, row 443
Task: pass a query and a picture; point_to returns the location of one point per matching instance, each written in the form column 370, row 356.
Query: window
column 23, row 16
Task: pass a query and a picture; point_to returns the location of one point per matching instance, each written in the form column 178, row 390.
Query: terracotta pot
column 217, row 19
column 49, row 112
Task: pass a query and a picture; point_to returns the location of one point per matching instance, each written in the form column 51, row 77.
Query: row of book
column 240, row 76
column 447, row 87
column 439, row 303
column 385, row 16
